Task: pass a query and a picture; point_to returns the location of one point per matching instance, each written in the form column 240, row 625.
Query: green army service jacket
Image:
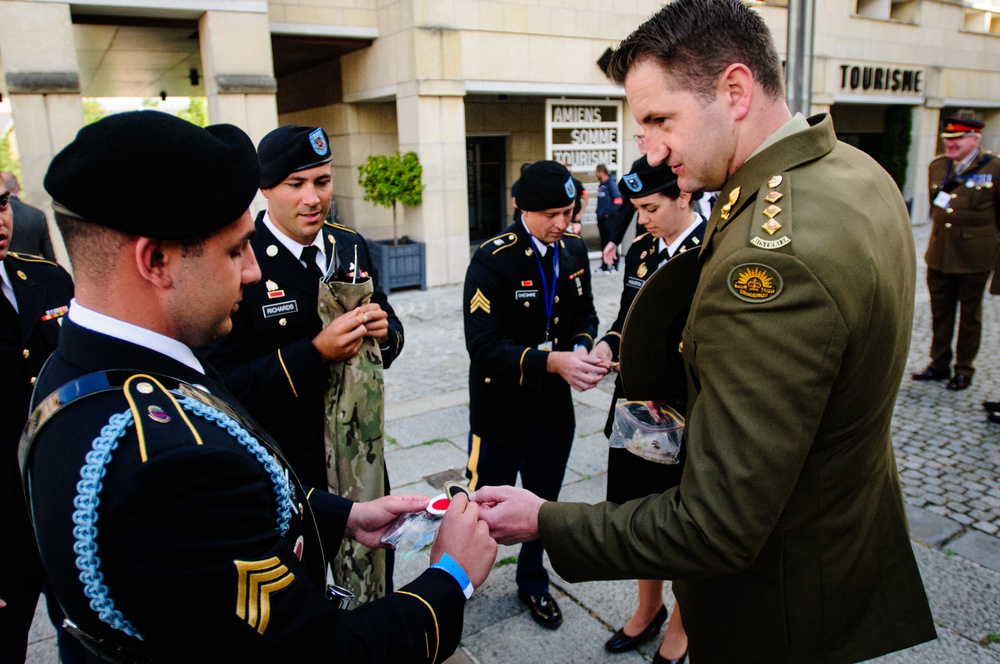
column 787, row 536
column 964, row 230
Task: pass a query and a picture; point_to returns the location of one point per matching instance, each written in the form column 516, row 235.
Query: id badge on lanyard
column 549, row 297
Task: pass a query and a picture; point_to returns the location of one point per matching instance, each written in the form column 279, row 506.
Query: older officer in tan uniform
column 962, row 250
column 787, row 537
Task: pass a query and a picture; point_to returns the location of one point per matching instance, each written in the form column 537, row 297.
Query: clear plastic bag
column 635, row 430
column 411, row 533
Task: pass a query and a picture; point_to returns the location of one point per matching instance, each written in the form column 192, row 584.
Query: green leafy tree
column 7, row 161
column 150, row 102
column 92, row 111
column 196, row 111
column 387, row 179
column 895, row 153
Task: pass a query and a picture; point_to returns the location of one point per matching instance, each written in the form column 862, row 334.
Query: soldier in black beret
column 529, row 325
column 34, row 296
column 671, row 228
column 276, row 358
column 170, row 527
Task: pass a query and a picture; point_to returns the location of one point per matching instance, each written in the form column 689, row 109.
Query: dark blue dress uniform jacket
column 504, row 314
column 640, row 263
column 268, row 361
column 190, row 548
column 43, row 290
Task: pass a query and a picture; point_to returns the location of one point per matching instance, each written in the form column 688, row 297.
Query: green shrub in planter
column 387, row 179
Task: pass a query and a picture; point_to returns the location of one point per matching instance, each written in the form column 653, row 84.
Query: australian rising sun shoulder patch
column 755, row 282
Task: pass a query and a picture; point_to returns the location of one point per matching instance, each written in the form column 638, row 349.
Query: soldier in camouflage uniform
column 281, row 354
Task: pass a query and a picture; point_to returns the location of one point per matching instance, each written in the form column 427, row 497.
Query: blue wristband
column 448, row 564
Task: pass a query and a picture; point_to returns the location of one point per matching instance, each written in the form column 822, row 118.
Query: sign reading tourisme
column 583, row 133
column 879, row 79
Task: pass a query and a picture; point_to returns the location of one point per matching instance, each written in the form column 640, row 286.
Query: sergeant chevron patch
column 256, row 580
column 479, row 303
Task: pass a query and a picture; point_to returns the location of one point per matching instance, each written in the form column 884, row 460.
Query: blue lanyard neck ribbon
column 549, row 297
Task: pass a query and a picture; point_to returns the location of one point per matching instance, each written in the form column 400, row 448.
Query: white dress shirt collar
column 140, row 336
column 296, row 247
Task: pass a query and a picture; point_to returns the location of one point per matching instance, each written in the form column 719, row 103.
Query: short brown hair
column 695, row 40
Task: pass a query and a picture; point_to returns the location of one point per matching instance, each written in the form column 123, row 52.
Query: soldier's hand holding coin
column 341, row 339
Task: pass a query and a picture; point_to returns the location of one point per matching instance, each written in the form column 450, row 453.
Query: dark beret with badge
column 652, row 367
column 956, row 127
column 545, row 185
column 290, row 149
column 142, row 154
column 645, row 180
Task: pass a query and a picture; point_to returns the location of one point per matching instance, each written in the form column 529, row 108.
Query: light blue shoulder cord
column 89, row 488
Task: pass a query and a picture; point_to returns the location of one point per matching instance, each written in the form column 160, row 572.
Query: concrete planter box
column 401, row 265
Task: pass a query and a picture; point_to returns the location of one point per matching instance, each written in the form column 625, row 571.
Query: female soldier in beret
column 672, row 227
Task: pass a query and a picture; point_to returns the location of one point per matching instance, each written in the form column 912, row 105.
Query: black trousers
column 605, row 227
column 541, row 461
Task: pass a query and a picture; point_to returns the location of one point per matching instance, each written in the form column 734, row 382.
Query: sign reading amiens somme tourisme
column 583, row 133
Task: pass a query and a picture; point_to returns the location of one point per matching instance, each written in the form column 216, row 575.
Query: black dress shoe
column 959, row 382
column 622, row 642
column 931, row 374
column 991, row 406
column 994, row 417
column 544, row 609
column 663, row 660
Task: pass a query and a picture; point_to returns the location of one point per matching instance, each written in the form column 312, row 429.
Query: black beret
column 154, row 175
column 290, row 149
column 644, row 180
column 545, row 185
column 957, row 127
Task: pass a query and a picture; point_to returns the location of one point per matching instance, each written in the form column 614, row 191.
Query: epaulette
column 639, row 237
column 567, row 233
column 340, row 227
column 31, row 258
column 768, row 228
column 940, row 156
column 501, row 241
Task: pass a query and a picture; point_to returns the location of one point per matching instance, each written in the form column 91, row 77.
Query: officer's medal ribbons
column 273, row 292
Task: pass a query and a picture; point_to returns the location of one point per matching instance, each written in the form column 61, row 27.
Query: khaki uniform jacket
column 964, row 236
column 788, row 534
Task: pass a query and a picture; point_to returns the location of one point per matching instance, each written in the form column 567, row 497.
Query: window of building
column 983, row 16
column 894, row 10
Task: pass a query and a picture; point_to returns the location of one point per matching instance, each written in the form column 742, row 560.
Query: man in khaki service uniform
column 787, row 538
column 962, row 250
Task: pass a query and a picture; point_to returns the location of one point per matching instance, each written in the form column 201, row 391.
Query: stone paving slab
column 981, row 548
column 435, row 425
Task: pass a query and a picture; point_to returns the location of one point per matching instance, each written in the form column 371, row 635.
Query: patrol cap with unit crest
column 958, row 127
column 121, row 172
column 290, row 149
column 645, row 180
column 545, row 185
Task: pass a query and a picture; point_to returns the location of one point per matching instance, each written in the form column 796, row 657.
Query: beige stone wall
column 333, row 12
column 355, row 131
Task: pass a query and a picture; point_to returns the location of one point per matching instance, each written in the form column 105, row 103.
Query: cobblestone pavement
column 948, row 454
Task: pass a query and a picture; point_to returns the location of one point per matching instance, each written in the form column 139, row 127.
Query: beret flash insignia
column 318, row 143
column 570, row 187
column 633, row 182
